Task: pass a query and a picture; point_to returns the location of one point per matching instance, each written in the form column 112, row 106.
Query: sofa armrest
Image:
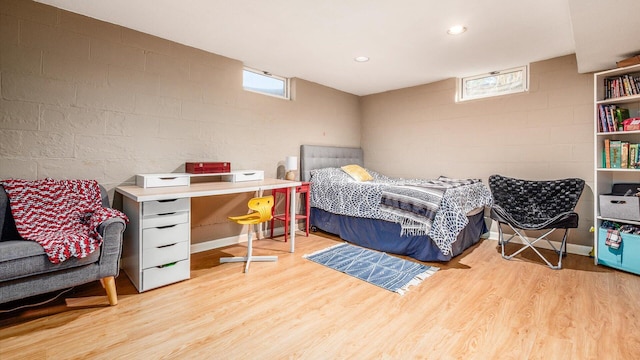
column 107, row 226
column 112, row 231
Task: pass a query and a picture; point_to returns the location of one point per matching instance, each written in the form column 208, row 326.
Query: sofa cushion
column 21, row 258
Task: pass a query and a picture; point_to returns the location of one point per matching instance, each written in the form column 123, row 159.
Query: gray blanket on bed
column 417, row 204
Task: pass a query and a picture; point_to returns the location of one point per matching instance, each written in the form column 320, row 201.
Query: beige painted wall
column 545, row 133
column 81, row 98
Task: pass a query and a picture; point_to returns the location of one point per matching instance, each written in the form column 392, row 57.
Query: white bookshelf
column 604, row 178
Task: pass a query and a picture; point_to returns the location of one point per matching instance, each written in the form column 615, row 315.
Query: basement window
column 495, row 83
column 265, row 83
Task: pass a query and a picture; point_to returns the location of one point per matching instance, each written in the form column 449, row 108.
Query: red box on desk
column 207, row 167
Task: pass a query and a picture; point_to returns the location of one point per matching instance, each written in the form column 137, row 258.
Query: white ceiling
column 406, row 40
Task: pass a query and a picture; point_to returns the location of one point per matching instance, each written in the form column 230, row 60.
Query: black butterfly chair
column 535, row 205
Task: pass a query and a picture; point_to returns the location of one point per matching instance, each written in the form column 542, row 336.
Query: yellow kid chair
column 262, row 213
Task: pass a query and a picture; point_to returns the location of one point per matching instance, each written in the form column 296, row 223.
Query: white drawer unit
column 162, row 180
column 156, row 249
column 244, row 175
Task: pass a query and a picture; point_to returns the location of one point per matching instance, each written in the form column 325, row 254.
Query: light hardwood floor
column 477, row 306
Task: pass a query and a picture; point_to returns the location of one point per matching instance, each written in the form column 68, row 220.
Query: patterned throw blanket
column 416, row 205
column 61, row 215
column 437, row 208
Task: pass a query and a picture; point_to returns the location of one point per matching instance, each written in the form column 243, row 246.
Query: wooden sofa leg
column 109, row 283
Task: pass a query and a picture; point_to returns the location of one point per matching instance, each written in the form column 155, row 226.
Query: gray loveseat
column 25, row 269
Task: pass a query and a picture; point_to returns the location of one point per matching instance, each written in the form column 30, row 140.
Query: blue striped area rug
column 378, row 268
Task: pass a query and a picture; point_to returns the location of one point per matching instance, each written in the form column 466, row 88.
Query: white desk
column 156, row 249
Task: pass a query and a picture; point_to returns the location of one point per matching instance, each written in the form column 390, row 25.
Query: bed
column 364, row 212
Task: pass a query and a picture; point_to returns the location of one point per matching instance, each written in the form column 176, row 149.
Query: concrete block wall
column 81, row 98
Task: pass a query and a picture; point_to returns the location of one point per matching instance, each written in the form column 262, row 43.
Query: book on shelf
column 619, row 86
column 607, row 153
column 612, row 118
column 622, row 114
column 602, row 124
column 608, row 118
column 624, row 155
column 602, row 115
column 618, row 154
column 615, row 149
column 633, row 156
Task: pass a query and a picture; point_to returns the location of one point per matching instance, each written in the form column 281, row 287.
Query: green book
column 633, row 156
column 621, row 115
column 615, row 148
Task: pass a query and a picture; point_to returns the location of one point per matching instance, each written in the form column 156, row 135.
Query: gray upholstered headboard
column 318, row 157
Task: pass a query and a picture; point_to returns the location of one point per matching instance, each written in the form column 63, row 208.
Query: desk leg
column 292, row 224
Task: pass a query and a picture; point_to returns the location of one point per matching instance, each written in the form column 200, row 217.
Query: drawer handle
column 249, row 173
column 167, row 200
column 167, row 265
column 618, row 202
column 168, row 213
column 168, row 178
column 166, row 226
column 165, row 246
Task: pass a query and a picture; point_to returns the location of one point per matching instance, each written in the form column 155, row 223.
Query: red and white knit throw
column 61, row 215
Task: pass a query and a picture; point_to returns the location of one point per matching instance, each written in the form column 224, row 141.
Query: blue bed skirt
column 385, row 236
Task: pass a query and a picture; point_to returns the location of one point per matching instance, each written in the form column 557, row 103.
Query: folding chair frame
column 529, row 244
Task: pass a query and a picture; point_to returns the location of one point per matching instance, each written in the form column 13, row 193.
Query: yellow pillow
column 357, row 172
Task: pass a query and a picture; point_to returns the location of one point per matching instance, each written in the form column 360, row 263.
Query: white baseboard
column 218, row 243
column 571, row 248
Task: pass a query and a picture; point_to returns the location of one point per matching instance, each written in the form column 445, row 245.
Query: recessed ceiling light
column 457, row 29
column 361, row 59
